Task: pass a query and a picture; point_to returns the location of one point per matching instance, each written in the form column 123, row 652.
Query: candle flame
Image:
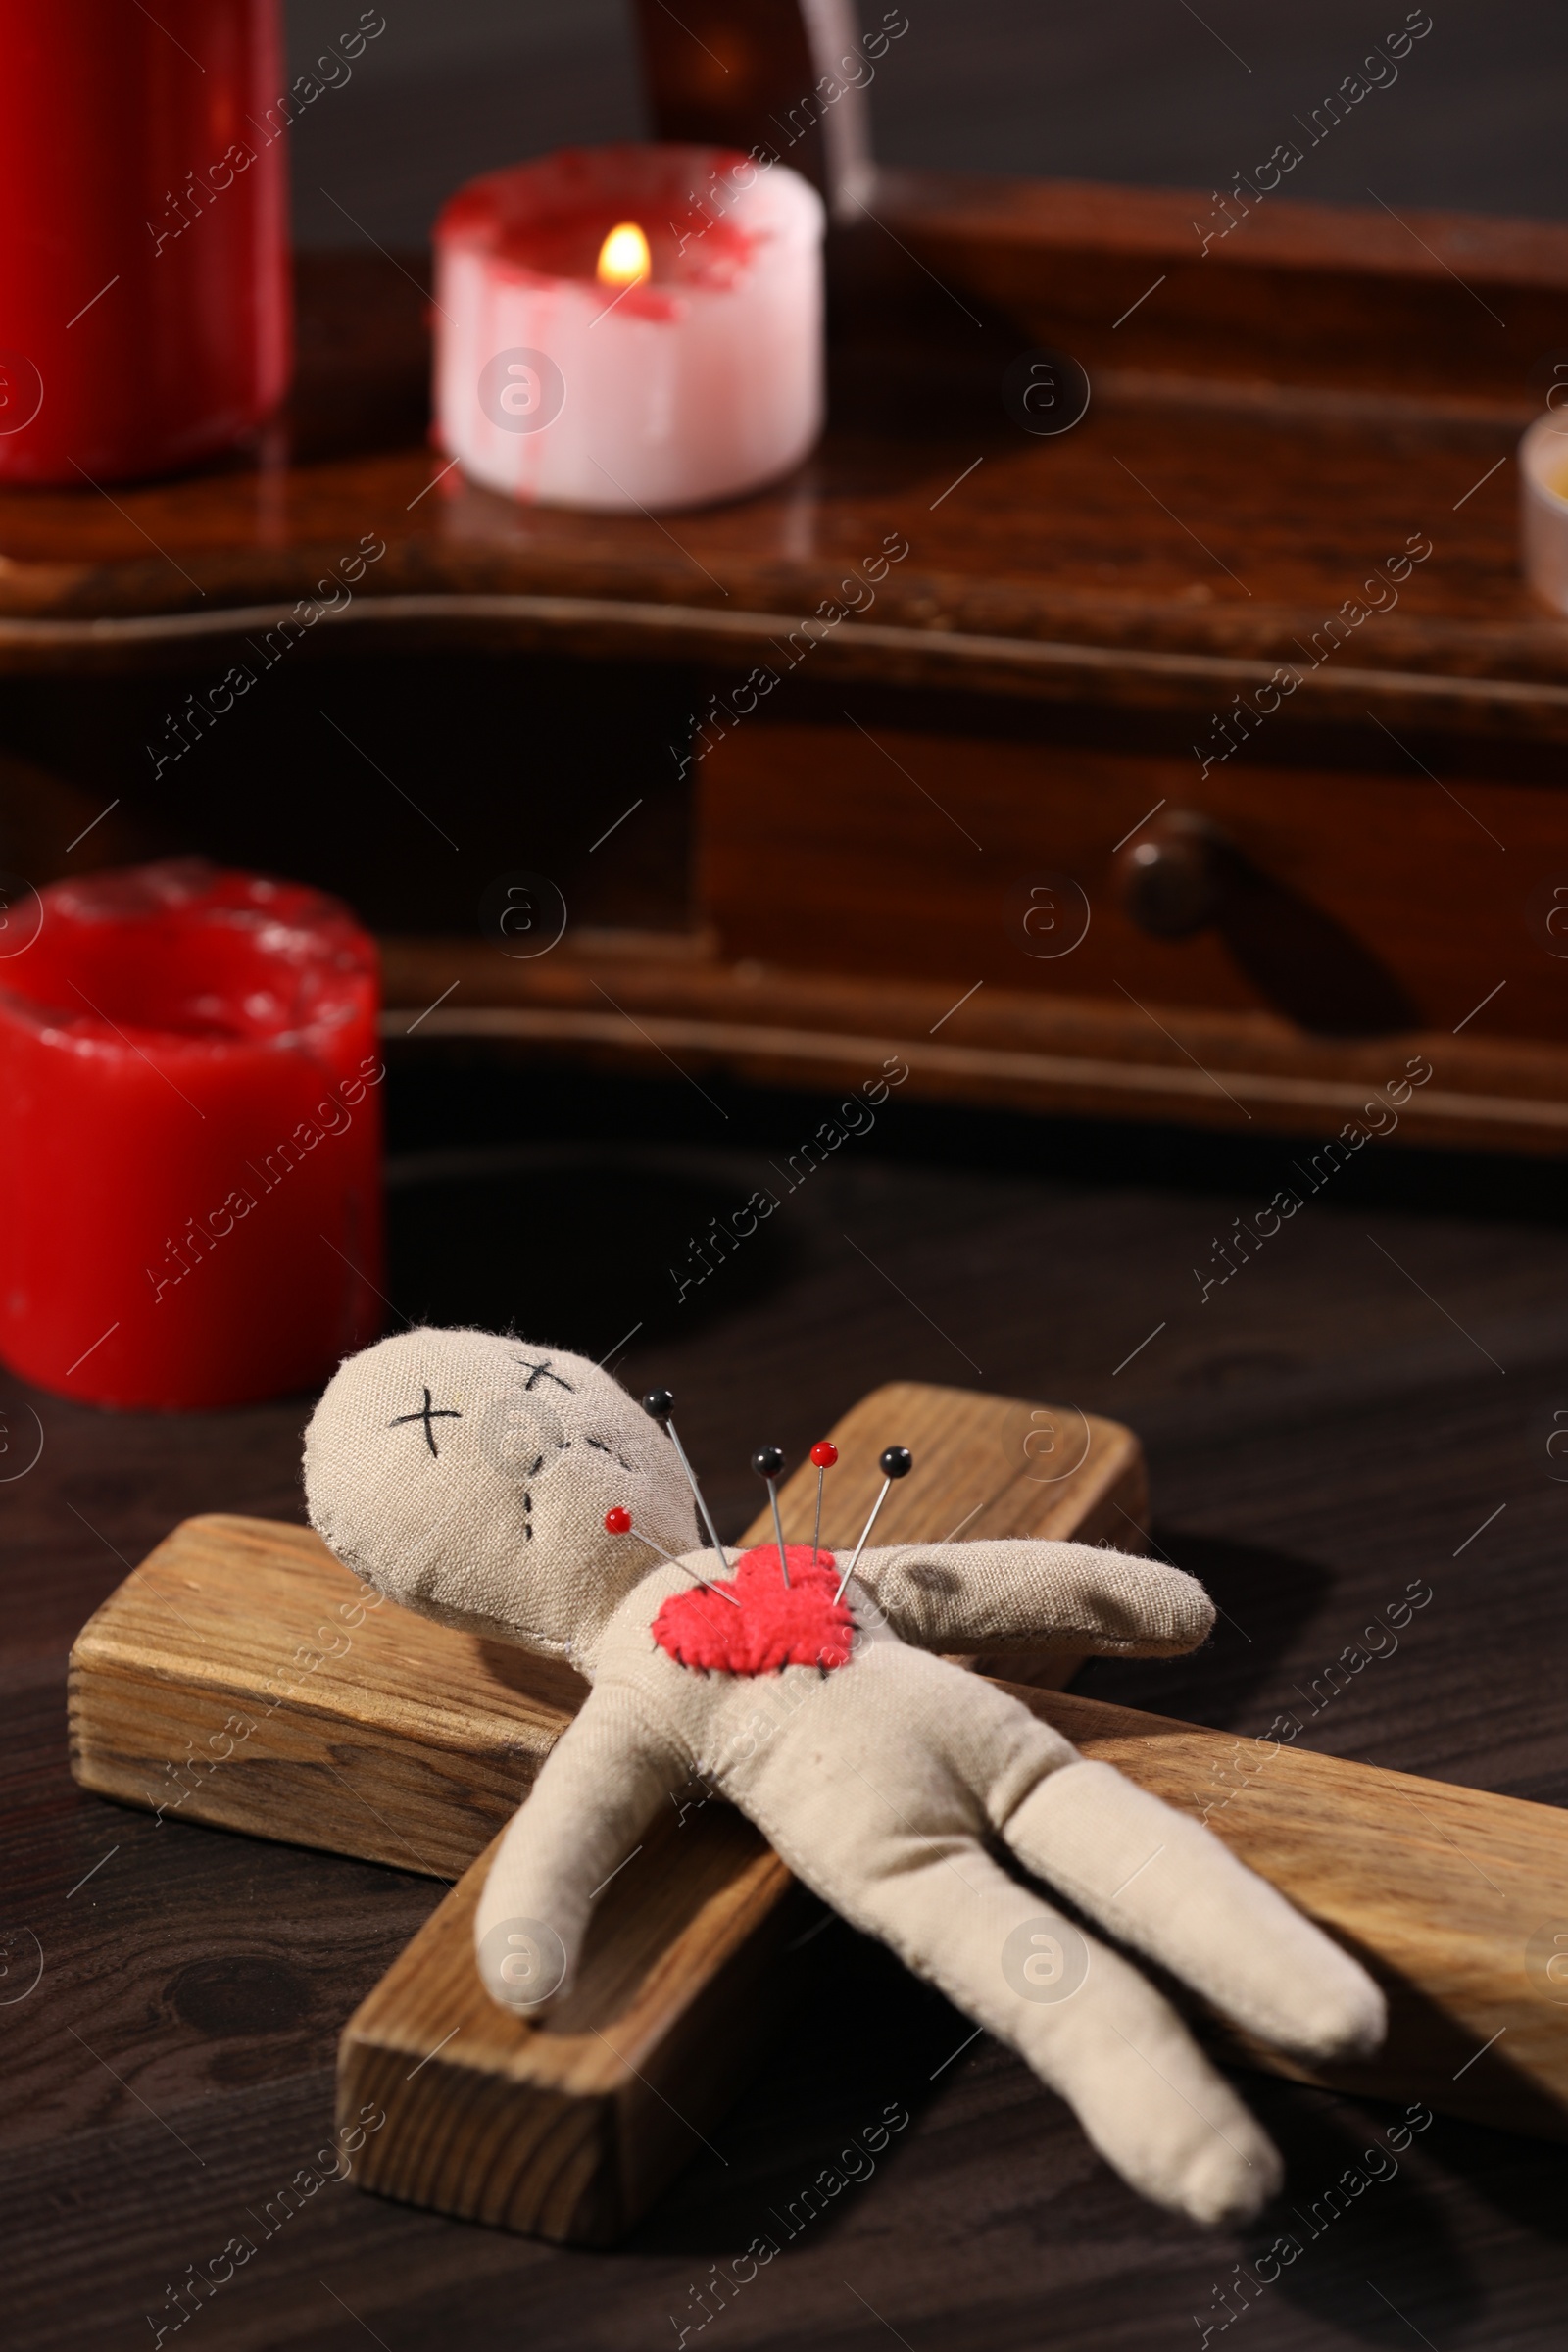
column 623, row 257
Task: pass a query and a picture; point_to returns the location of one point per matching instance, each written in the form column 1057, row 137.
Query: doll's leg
column 1161, row 1882
column 1106, row 2039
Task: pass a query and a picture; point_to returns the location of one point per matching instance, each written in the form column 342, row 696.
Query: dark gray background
column 1140, row 90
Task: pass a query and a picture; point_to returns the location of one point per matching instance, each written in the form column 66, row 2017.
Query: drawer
column 1351, row 900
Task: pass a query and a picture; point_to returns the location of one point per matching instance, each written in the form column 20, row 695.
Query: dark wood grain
column 1284, row 294
column 1184, row 522
column 629, row 1001
column 1048, row 655
column 1335, row 908
column 1319, row 1434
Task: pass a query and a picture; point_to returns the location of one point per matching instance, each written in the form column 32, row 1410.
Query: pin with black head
column 768, row 1463
column 896, row 1461
column 660, row 1406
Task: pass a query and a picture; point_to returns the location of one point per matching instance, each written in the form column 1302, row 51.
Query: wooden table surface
column 1300, row 407
column 1371, row 1401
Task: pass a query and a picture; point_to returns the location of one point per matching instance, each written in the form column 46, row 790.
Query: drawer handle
column 1182, row 874
column 1170, row 880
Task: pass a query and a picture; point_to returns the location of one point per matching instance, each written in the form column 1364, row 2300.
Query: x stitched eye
column 538, row 1372
column 599, row 1445
column 427, row 1413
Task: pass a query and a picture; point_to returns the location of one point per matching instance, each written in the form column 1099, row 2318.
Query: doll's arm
column 599, row 1787
column 1017, row 1595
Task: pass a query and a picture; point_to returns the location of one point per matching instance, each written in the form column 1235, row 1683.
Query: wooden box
column 1201, row 761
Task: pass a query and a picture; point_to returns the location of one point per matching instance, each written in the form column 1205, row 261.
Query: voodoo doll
column 521, row 1493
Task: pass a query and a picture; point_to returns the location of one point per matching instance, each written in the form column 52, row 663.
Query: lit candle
column 630, row 326
column 1543, row 505
column 623, row 257
column 190, row 1186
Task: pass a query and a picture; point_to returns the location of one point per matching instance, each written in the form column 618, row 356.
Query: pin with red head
column 617, row 1522
column 824, row 1453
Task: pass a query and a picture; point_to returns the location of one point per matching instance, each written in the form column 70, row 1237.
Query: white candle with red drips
column 630, row 326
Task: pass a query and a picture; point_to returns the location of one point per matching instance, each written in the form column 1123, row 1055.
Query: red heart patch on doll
column 773, row 1626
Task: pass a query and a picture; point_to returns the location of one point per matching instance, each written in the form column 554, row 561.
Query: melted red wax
column 547, row 222
column 776, row 1624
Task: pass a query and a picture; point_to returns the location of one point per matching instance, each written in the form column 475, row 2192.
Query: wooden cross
column 242, row 1676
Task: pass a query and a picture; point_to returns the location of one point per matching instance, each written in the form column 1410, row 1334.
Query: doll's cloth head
column 467, row 1476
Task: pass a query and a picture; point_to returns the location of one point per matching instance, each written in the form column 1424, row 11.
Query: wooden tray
column 1326, row 356
column 1272, row 417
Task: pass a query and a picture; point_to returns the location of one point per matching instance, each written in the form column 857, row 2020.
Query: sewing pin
column 896, row 1462
column 659, row 1404
column 824, row 1453
column 617, row 1522
column 767, row 1461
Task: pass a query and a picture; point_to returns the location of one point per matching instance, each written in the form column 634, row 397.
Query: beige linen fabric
column 491, row 1517
column 908, row 1793
column 1002, row 1595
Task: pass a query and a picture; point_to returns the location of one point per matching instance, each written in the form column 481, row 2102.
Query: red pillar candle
column 144, row 291
column 190, row 1208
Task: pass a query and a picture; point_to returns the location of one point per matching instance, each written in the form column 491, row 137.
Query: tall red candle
column 190, row 1208
column 144, row 290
